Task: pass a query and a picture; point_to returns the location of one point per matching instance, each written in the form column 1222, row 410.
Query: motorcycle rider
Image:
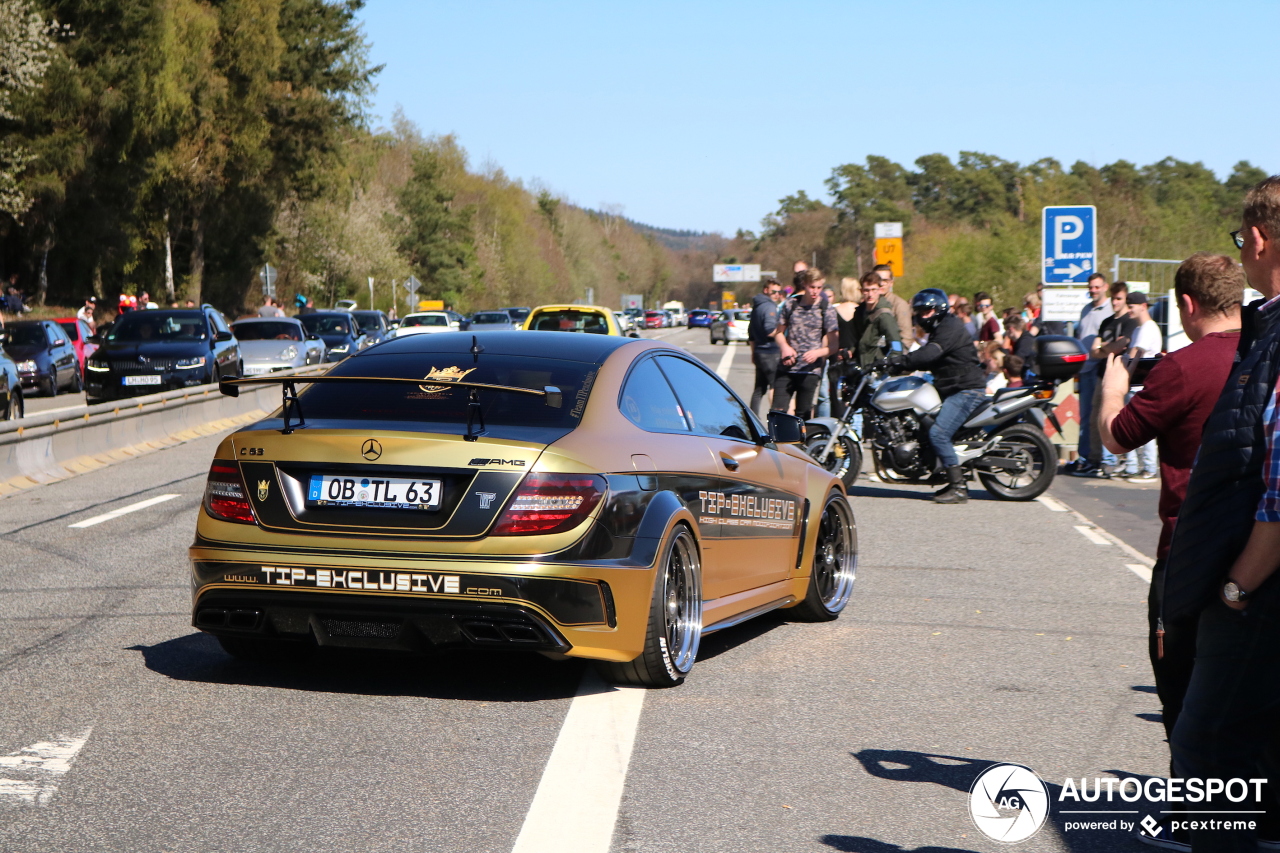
column 951, row 356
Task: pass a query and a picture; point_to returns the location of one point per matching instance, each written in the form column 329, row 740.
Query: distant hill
column 677, row 240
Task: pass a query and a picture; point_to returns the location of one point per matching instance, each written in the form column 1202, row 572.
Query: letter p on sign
column 1066, row 228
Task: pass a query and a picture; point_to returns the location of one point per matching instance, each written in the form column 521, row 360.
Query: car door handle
column 729, row 462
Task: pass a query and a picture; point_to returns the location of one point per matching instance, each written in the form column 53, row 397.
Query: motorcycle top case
column 1059, row 356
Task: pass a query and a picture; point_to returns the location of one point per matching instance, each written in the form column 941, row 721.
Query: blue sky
column 702, row 115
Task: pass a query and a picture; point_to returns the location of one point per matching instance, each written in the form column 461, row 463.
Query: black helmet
column 930, row 297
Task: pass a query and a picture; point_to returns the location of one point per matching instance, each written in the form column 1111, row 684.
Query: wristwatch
column 1232, row 592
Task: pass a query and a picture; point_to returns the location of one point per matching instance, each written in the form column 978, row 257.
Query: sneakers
column 1142, row 477
column 1084, row 469
column 1164, row 837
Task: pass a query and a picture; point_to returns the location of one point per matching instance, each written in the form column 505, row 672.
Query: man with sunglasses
column 1222, row 562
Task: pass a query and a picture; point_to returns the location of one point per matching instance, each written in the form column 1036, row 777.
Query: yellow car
column 591, row 496
column 573, row 318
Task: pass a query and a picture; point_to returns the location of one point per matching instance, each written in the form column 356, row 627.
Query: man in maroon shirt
column 1172, row 407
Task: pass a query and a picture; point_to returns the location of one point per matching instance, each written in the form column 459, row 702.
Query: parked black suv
column 151, row 351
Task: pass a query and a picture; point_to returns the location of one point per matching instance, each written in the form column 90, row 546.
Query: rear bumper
column 405, row 603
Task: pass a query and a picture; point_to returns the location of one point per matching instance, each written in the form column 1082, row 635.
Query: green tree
column 437, row 237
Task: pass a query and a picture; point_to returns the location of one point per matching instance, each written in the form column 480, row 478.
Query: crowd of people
column 1205, row 420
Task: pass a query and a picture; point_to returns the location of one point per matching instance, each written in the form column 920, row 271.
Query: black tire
column 77, row 381
column 14, row 408
column 49, row 385
column 1031, row 447
column 712, row 336
column 264, row 649
column 835, row 564
column 675, row 620
column 845, row 460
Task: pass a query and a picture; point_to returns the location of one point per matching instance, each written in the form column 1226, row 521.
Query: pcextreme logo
column 1008, row 803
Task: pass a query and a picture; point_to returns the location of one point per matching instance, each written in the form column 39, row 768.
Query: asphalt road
column 989, row 632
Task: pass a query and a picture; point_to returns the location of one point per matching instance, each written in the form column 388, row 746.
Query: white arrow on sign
column 30, row 776
column 1071, row 270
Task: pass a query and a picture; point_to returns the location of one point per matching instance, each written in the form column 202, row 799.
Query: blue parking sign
column 1070, row 246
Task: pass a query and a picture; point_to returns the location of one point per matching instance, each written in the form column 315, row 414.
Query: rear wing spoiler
column 550, row 394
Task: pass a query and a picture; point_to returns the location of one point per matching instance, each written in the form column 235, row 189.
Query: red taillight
column 224, row 494
column 1074, row 357
column 550, row 503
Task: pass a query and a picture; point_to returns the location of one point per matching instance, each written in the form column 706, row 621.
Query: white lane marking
column 1092, row 535
column 726, row 360
column 1140, row 570
column 124, row 510
column 30, row 776
column 576, row 804
column 1053, row 504
column 1112, row 538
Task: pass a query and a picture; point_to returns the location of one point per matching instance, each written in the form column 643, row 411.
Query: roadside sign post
column 734, row 273
column 889, row 246
column 412, row 285
column 632, row 300
column 370, row 293
column 268, row 275
column 1069, row 248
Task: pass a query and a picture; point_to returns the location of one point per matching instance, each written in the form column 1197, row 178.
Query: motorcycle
column 1003, row 443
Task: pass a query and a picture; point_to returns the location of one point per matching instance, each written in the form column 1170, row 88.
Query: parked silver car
column 492, row 321
column 268, row 344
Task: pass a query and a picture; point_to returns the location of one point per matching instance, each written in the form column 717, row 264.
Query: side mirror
column 633, row 334
column 786, row 429
column 222, row 337
column 59, row 342
column 93, row 339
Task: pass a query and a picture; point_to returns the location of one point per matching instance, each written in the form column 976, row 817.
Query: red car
column 78, row 332
column 655, row 319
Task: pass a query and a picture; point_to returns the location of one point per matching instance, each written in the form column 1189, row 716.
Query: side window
column 51, row 334
column 710, row 406
column 219, row 325
column 648, row 402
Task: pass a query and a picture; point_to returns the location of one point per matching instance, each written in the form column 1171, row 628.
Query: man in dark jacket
column 764, row 349
column 957, row 374
column 1224, row 555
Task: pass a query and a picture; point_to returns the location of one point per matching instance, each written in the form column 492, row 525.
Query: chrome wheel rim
column 682, row 603
column 835, row 557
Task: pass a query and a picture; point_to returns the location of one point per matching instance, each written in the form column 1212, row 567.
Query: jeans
column 954, row 412
column 803, row 385
column 1097, row 453
column 1228, row 725
column 825, row 398
column 766, row 362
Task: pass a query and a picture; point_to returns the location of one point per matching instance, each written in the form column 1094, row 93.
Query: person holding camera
column 1171, row 408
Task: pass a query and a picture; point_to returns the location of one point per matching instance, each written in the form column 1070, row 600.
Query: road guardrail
column 53, row 446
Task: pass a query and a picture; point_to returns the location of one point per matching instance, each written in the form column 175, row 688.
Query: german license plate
column 152, row 379
column 254, row 370
column 373, row 492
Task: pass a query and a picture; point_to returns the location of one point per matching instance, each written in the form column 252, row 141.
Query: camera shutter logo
column 1008, row 803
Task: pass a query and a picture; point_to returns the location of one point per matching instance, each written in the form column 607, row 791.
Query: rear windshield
column 267, row 331
column 318, row 325
column 426, row 320
column 368, row 320
column 434, row 405
column 570, row 321
column 491, row 317
column 71, row 329
column 27, row 336
column 137, row 326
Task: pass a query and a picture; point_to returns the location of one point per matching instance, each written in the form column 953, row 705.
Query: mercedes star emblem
column 371, row 450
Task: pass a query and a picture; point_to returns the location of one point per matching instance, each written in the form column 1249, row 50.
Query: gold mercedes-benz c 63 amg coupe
column 590, row 496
